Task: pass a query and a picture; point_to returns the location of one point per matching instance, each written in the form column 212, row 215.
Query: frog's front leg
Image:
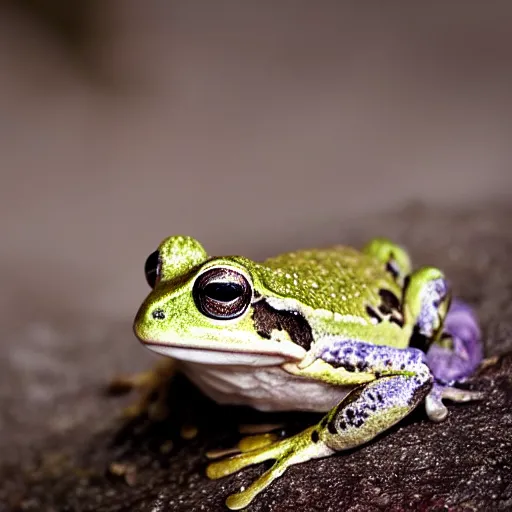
column 363, row 414
column 368, row 359
column 430, row 316
column 152, row 385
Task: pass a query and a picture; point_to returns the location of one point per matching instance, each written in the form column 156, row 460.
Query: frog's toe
column 233, row 464
column 251, row 443
column 219, row 469
column 461, row 395
column 246, row 444
column 293, row 450
column 243, row 498
column 434, row 406
column 436, row 410
column 259, row 428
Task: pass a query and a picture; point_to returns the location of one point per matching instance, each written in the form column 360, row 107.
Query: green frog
column 339, row 331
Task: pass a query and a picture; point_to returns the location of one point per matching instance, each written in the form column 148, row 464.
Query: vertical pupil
column 223, row 292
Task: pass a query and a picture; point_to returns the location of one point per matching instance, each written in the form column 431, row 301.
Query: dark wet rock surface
column 64, row 448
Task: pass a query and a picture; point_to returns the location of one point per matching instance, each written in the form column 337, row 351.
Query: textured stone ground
column 60, row 433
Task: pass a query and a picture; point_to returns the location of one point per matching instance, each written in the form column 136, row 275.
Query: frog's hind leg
column 394, row 258
column 405, row 380
column 452, row 358
column 152, row 385
column 286, row 452
column 447, row 331
column 363, row 414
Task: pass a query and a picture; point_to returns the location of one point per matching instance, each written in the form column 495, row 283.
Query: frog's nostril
column 158, row 314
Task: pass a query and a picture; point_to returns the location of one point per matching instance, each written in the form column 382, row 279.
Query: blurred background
column 250, row 125
column 255, row 126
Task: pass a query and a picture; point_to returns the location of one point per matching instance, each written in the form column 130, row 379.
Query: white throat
column 267, row 388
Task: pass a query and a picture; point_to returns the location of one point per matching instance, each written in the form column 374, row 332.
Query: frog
column 356, row 335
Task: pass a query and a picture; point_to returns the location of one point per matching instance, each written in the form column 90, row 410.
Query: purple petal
column 449, row 365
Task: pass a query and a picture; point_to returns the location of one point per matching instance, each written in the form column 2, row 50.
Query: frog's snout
column 139, row 323
column 146, row 321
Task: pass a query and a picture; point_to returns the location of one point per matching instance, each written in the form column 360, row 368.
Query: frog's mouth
column 209, row 346
column 218, row 357
column 204, row 353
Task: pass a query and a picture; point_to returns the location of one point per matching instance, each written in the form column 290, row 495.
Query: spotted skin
column 434, row 292
column 365, row 357
column 373, row 408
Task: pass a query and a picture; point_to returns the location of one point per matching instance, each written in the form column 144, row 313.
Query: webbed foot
column 364, row 413
column 434, row 406
column 293, row 450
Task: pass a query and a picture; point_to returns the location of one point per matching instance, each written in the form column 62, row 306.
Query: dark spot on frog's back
column 266, row 319
column 373, row 314
column 390, row 302
column 392, row 268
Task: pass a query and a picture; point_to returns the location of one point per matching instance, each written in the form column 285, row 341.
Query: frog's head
column 210, row 310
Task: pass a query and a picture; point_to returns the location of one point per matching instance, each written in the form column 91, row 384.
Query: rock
column 72, row 453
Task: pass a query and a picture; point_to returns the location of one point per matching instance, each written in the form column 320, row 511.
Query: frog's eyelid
column 228, row 269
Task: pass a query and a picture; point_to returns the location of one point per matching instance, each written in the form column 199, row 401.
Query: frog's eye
column 152, row 268
column 222, row 293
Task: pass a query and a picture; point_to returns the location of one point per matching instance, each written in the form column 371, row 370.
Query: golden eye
column 222, row 293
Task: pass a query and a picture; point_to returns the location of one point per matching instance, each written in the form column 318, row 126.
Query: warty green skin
column 353, row 345
column 329, row 287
